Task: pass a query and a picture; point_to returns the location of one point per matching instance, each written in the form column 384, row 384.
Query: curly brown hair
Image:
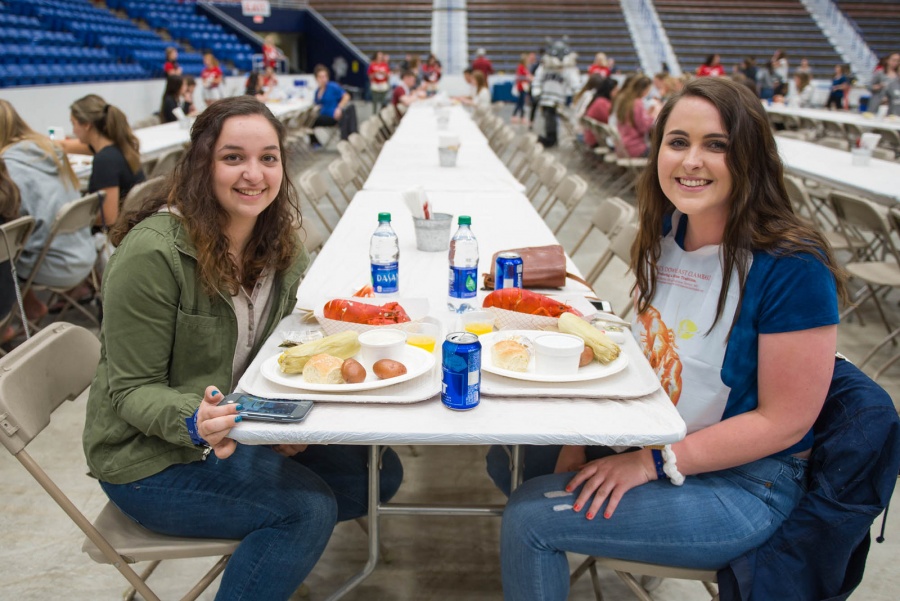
column 188, row 192
column 760, row 214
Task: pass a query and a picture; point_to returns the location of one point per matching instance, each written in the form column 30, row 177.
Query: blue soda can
column 461, row 383
column 508, row 271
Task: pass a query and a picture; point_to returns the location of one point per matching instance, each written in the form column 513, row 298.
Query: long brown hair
column 189, row 193
column 9, row 195
column 110, row 122
column 760, row 213
column 13, row 130
column 630, row 93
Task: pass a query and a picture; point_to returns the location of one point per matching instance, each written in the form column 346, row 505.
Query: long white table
column 500, row 219
column 841, row 117
column 879, row 181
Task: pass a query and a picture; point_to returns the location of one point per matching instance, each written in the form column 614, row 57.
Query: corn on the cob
column 343, row 344
column 605, row 350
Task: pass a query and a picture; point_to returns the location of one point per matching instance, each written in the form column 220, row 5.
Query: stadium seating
column 877, row 20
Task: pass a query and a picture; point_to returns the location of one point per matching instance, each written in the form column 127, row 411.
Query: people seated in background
column 840, row 85
column 211, row 78
column 431, row 72
column 483, row 63
column 780, row 71
column 720, row 248
column 405, row 94
column 103, row 131
column 582, row 100
column 334, row 105
column 482, row 98
column 379, row 81
column 187, row 98
column 765, row 81
column 267, row 80
column 254, row 88
column 203, row 273
column 600, row 66
column 666, row 86
column 600, row 108
column 711, row 67
column 801, row 95
column 46, row 182
column 171, row 66
column 633, row 119
column 9, row 210
column 804, row 67
column 171, row 99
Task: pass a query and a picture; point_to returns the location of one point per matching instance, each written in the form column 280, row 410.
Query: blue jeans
column 704, row 524
column 537, row 460
column 520, row 104
column 283, row 510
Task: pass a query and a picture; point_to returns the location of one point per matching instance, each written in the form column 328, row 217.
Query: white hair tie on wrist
column 670, row 467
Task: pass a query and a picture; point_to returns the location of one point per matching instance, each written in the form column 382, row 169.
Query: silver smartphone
column 270, row 410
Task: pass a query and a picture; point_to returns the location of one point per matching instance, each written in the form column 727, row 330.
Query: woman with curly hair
column 737, row 310
column 203, row 273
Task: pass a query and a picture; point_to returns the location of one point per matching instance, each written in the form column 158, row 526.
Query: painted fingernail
column 606, row 515
column 214, row 393
column 238, row 418
column 577, row 508
column 239, row 407
column 568, row 489
column 590, row 516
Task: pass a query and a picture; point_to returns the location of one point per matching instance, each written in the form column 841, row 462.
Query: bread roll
column 323, row 369
column 511, row 355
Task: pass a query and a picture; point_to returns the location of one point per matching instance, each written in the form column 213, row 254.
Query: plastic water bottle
column 384, row 254
column 463, row 267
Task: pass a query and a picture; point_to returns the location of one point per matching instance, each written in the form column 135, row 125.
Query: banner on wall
column 256, row 8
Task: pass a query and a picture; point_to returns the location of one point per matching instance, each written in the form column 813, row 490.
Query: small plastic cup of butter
column 557, row 354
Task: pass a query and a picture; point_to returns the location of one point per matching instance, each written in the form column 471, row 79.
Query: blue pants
column 520, row 104
column 712, row 519
column 283, row 510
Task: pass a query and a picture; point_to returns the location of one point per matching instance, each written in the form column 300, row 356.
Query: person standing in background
column 211, row 78
column 271, row 53
column 522, row 85
column 884, row 81
column 780, row 71
column 171, row 66
column 379, row 81
column 483, row 63
column 840, row 83
column 600, row 66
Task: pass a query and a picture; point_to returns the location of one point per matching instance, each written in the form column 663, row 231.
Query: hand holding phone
column 273, row 410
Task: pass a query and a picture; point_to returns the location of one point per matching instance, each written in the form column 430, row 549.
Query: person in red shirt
column 482, row 63
column 522, row 87
column 211, row 78
column 172, row 67
column 600, row 108
column 431, row 72
column 600, row 66
column 379, row 74
column 271, row 53
column 711, row 67
column 268, row 81
column 405, row 94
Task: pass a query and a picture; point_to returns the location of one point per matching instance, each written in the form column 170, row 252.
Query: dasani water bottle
column 463, row 267
column 384, row 254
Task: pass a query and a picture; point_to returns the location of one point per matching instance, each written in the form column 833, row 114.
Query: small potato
column 587, row 355
column 353, row 372
column 388, row 368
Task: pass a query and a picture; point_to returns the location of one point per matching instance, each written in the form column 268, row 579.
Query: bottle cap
column 465, row 220
column 384, row 217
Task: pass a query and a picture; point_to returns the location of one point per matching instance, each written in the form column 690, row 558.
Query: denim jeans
column 283, row 510
column 712, row 519
column 537, row 460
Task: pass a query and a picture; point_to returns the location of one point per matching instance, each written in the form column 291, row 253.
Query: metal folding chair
column 56, row 365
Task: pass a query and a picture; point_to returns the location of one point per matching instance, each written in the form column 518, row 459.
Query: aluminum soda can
column 508, row 271
column 461, row 366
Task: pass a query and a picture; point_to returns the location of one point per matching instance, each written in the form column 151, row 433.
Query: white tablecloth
column 410, row 158
column 842, row 117
column 499, row 221
column 879, row 181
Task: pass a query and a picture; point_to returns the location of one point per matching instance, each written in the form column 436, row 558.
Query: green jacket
column 163, row 342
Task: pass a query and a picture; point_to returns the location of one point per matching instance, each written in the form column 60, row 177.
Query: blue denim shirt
column 819, row 552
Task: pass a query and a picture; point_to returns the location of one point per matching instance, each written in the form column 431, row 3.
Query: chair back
column 800, row 200
column 340, row 172
column 858, row 217
column 166, row 162
column 552, row 174
column 621, row 243
column 139, row 193
column 57, row 364
column 363, row 148
column 76, row 215
column 313, row 185
column 351, row 157
column 13, row 236
column 571, row 190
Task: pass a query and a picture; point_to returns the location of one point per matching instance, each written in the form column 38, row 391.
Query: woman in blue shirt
column 334, row 106
column 737, row 313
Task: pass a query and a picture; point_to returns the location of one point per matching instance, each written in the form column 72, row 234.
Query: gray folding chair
column 56, row 365
column 343, row 176
column 608, row 219
column 166, row 162
column 13, row 236
column 570, row 192
column 625, row 570
column 139, row 193
column 351, row 157
column 315, row 189
column 72, row 217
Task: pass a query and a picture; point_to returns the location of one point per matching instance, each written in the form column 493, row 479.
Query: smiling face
column 692, row 167
column 247, row 168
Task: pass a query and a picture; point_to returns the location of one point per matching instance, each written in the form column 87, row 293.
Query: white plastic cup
column 557, row 354
column 381, row 343
column 861, row 157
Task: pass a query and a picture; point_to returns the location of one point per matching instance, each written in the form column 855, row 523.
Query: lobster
column 526, row 301
column 364, row 313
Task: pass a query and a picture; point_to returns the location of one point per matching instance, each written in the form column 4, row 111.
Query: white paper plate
column 589, row 372
column 416, row 360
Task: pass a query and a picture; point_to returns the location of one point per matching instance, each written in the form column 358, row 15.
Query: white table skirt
column 842, row 117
